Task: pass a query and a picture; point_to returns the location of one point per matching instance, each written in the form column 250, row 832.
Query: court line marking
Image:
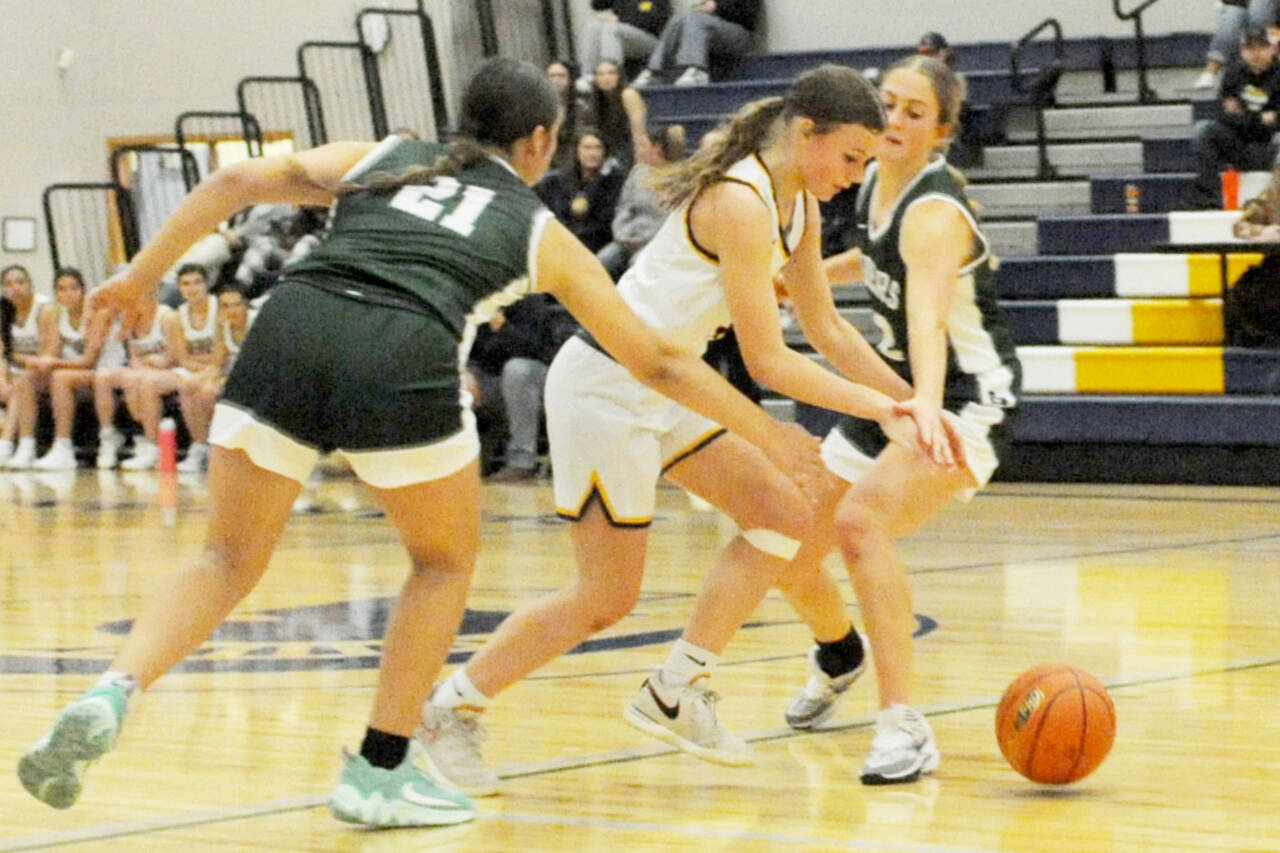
column 190, row 820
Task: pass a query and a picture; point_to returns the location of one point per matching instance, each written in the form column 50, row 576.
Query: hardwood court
column 1169, row 595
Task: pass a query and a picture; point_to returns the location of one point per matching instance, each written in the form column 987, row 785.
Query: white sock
column 62, row 442
column 115, row 678
column 457, row 691
column 108, row 432
column 27, row 444
column 686, row 663
column 6, row 446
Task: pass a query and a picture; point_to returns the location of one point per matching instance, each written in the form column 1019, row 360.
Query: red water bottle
column 1230, row 190
column 167, row 443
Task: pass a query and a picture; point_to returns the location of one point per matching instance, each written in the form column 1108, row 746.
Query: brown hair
column 830, row 95
column 948, row 87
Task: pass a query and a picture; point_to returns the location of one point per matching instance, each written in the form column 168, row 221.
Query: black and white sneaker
column 903, row 748
column 821, row 694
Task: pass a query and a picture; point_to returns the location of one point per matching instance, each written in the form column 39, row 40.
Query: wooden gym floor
column 1169, row 595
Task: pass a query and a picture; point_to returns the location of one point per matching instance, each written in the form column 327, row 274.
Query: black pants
column 1218, row 146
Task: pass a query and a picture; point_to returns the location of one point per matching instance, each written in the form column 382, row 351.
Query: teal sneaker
column 372, row 796
column 53, row 770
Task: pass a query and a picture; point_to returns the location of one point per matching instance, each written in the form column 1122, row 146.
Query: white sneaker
column 24, row 457
column 903, row 748
column 449, row 747
column 693, row 76
column 821, row 694
column 145, row 457
column 685, row 717
column 61, row 457
column 6, row 451
column 1206, row 80
column 643, row 79
column 197, row 459
column 109, row 444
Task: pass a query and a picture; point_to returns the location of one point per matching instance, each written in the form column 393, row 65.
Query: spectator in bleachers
column 75, row 342
column 622, row 30
column 189, row 334
column 1241, row 136
column 639, row 212
column 585, row 196
column 24, row 345
column 713, row 30
column 1232, row 16
column 69, row 341
column 507, row 371
column 1260, row 216
column 199, row 392
column 935, row 44
column 617, row 114
column 147, row 351
column 560, row 73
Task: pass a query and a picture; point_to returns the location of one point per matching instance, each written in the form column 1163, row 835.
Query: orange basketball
column 1055, row 723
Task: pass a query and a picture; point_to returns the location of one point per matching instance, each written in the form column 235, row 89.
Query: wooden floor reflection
column 1169, row 595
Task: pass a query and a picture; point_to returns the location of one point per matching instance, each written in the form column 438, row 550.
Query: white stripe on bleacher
column 1145, row 275
column 1203, row 226
column 1095, row 321
column 1048, row 370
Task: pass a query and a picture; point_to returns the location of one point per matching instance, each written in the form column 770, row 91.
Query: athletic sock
column 383, row 749
column 686, row 663
column 457, row 691
column 842, row 655
column 116, row 678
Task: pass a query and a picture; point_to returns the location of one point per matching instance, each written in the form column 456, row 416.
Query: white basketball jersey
column 153, row 341
column 26, row 337
column 72, row 339
column 677, row 287
column 200, row 341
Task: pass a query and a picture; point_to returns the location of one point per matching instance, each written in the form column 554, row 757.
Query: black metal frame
column 124, row 212
column 488, row 27
column 1042, row 87
column 372, row 79
column 439, row 108
column 310, row 98
column 248, row 126
column 1145, row 93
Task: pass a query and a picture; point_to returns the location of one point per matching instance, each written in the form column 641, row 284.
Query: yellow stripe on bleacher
column 1177, row 321
column 1238, row 262
column 1149, row 370
column 1204, row 274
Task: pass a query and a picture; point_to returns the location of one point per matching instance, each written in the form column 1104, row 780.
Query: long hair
column 505, row 100
column 830, row 95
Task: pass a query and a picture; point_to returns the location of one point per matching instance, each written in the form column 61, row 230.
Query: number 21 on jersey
column 446, row 202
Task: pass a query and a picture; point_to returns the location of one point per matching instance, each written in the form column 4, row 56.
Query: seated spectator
column 69, row 342
column 75, row 342
column 622, row 30
column 147, row 352
column 585, row 196
column 1232, row 17
column 935, row 44
column 199, row 392
column 639, row 211
column 616, row 113
column 507, row 369
column 189, row 340
column 560, row 73
column 24, row 346
column 713, row 30
column 1241, row 136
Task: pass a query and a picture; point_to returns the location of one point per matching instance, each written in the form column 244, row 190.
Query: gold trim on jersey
column 782, row 229
column 702, row 442
column 596, row 491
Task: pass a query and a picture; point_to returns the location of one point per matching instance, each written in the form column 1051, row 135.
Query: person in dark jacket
column 585, row 196
column 1241, row 136
column 713, row 29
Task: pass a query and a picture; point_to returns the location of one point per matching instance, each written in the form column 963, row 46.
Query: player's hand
column 795, row 452
column 122, row 294
column 935, row 437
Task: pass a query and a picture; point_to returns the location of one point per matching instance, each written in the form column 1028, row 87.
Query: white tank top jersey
column 26, row 337
column 72, row 339
column 200, row 341
column 676, row 286
column 153, row 341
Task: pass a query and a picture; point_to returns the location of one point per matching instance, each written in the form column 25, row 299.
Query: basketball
column 1055, row 723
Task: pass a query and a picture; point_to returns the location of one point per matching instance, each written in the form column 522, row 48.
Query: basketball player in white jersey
column 199, row 392
column 147, row 350
column 744, row 210
column 24, row 347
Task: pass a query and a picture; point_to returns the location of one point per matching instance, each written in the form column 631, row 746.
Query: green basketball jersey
column 461, row 245
column 982, row 364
